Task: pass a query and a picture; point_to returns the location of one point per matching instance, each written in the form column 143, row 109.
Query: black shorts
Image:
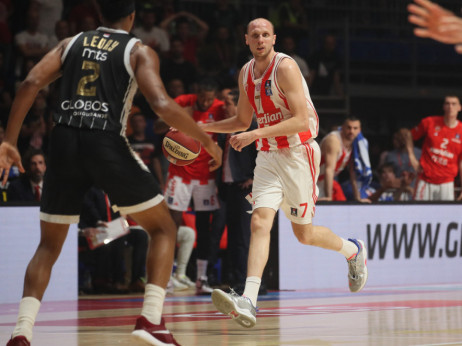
column 81, row 158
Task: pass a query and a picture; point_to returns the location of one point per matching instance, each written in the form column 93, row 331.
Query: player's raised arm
column 43, row 73
column 145, row 63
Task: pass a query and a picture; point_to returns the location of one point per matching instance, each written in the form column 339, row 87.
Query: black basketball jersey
column 97, row 84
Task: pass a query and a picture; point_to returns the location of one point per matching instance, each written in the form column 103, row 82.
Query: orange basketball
column 179, row 148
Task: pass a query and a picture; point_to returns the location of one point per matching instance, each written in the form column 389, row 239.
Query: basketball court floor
column 405, row 315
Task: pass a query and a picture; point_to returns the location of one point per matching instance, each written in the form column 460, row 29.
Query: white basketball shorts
column 286, row 179
column 178, row 194
column 433, row 192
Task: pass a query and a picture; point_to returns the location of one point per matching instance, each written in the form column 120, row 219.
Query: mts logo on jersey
column 270, row 118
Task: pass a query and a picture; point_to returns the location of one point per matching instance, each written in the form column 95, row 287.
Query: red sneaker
column 18, row 341
column 153, row 334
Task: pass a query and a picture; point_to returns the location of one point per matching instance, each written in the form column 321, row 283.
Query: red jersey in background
column 441, row 149
column 199, row 169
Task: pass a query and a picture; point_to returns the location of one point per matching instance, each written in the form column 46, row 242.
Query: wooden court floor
column 411, row 315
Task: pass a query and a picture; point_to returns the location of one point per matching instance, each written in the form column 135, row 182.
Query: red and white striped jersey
column 342, row 158
column 271, row 106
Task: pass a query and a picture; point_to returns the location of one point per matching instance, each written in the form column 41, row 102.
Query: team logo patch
column 293, row 211
column 268, row 91
column 206, row 202
column 169, row 200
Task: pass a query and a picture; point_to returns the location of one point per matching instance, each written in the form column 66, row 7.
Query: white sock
column 348, row 249
column 201, row 268
column 185, row 239
column 252, row 285
column 154, row 297
column 28, row 310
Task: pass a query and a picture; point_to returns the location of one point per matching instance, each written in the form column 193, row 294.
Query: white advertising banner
column 19, row 237
column 407, row 244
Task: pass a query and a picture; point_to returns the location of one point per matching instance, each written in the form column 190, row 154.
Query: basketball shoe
column 177, row 284
column 153, row 334
column 202, row 287
column 184, row 280
column 18, row 341
column 239, row 308
column 357, row 267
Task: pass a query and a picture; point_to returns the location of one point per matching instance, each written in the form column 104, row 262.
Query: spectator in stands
column 83, row 9
column 6, row 88
column 177, row 67
column 393, row 188
column 194, row 181
column 28, row 187
column 290, row 18
column 336, row 155
column 218, row 57
column 51, row 12
column 34, row 128
column 222, row 13
column 151, row 34
column 288, row 47
column 62, row 31
column 441, row 158
column 436, row 22
column 399, row 156
column 190, row 29
column 175, row 87
column 30, row 43
column 325, row 66
column 106, row 263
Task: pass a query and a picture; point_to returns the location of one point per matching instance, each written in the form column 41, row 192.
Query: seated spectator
column 31, row 43
column 62, row 30
column 190, row 29
column 393, row 188
column 34, row 127
column 290, row 18
column 399, row 156
column 175, row 87
column 325, row 66
column 177, row 67
column 51, row 10
column 84, row 8
column 150, row 34
column 218, row 57
column 28, row 187
column 223, row 13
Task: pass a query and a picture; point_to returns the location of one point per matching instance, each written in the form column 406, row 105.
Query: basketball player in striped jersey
column 100, row 71
column 336, row 148
column 287, row 165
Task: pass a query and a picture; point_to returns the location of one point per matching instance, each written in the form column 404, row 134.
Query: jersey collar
column 114, row 31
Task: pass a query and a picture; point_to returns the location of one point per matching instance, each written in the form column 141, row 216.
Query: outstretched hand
column 9, row 156
column 436, row 22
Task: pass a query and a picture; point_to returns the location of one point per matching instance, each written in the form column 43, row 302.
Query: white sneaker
column 184, row 280
column 177, row 285
column 202, row 286
column 239, row 308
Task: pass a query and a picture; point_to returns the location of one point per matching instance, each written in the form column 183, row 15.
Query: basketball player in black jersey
column 99, row 72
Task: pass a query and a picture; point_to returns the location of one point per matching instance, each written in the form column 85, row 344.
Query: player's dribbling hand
column 217, row 154
column 9, row 156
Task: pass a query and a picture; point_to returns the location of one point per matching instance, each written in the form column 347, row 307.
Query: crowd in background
column 192, row 48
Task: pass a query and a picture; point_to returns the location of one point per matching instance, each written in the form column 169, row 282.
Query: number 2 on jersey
column 82, row 88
